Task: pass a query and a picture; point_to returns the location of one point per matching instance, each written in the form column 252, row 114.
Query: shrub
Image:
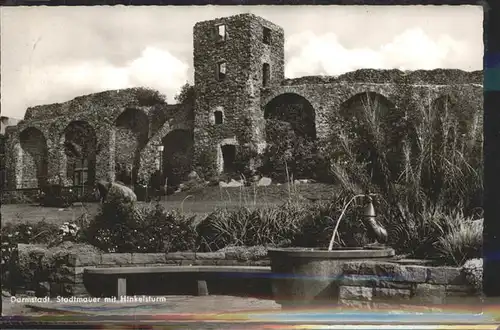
column 105, row 230
column 9, row 258
column 149, row 97
column 194, row 185
column 244, row 156
column 289, row 152
column 165, row 231
column 36, row 264
column 41, row 232
column 127, row 228
column 19, row 197
column 54, row 195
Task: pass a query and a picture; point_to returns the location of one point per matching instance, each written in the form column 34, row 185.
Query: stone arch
column 294, row 109
column 79, row 140
column 177, row 155
column 366, row 103
column 158, row 116
column 34, row 159
column 369, row 118
column 131, row 136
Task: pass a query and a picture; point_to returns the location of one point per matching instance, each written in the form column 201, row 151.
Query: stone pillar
column 105, row 162
column 56, row 162
column 323, row 126
column 15, row 166
column 491, row 230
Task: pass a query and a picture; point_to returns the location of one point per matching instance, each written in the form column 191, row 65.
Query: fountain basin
column 306, row 276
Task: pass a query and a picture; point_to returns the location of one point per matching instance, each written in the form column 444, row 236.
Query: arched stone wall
column 34, row 158
column 370, row 122
column 294, row 109
column 131, row 136
column 79, row 142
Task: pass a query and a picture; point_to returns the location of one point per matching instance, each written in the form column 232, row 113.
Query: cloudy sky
column 52, row 54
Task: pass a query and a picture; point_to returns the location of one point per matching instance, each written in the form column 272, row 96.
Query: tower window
column 221, row 70
column 221, row 32
column 218, row 118
column 266, row 74
column 266, row 36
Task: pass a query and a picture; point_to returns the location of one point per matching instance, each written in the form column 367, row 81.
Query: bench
column 201, row 283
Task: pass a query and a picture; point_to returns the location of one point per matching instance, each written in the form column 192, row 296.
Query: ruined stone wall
column 328, row 98
column 239, row 99
column 430, row 77
column 100, row 111
column 237, row 96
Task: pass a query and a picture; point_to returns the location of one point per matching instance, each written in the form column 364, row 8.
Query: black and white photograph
column 213, row 161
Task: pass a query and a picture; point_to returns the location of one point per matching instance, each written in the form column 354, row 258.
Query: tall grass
column 423, row 157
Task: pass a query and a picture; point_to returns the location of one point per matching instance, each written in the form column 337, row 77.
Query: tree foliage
column 148, row 96
column 186, row 95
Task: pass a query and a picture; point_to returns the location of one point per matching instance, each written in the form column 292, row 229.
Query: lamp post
column 160, row 152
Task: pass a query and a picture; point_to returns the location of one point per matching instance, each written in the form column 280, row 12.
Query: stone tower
column 235, row 58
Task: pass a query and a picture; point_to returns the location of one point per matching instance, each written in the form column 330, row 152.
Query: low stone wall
column 67, row 279
column 372, row 283
column 363, row 283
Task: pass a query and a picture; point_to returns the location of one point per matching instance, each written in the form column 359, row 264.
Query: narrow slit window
column 221, row 70
column 221, row 32
column 266, row 36
column 266, row 74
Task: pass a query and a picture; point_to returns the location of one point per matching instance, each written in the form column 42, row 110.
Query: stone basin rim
column 344, row 253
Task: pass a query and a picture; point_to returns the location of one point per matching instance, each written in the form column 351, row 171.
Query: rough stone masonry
column 239, row 83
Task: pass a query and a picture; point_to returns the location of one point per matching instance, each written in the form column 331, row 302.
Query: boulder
column 193, row 176
column 119, row 193
column 264, row 182
column 232, row 184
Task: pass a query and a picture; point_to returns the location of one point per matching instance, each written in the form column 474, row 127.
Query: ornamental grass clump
column 462, row 242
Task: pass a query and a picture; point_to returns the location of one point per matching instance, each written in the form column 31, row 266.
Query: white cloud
column 155, row 68
column 312, row 54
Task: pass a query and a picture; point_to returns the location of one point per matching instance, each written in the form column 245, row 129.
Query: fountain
column 305, row 276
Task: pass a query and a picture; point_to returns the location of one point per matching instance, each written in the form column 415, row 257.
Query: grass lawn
column 198, row 202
